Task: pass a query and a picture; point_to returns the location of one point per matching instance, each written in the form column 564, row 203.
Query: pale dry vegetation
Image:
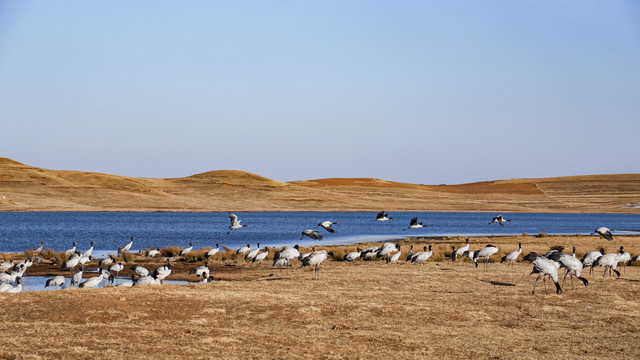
column 363, row 310
column 27, row 188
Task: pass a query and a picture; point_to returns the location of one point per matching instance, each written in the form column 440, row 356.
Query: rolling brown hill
column 27, row 188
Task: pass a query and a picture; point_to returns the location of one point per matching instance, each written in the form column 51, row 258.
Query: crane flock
column 109, row 268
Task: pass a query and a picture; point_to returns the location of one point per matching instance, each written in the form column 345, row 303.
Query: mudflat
column 371, row 309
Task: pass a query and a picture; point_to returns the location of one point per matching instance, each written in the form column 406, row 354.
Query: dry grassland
column 27, row 188
column 354, row 311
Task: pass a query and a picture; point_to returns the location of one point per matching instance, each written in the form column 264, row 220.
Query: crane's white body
column 327, row 225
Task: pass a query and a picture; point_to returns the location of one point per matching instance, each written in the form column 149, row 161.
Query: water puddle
column 37, row 283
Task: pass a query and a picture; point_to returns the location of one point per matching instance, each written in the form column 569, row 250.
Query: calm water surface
column 37, row 283
column 25, row 230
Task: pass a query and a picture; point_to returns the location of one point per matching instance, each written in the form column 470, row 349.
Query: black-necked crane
column 461, row 250
column 394, row 258
column 555, row 253
column 369, row 253
column 485, row 253
column 414, row 224
column 314, row 235
column 280, row 262
column 213, row 251
column 94, row 281
column 352, row 256
column 116, row 268
column 72, row 250
column 589, row 258
column 140, row 270
column 127, row 283
column 201, row 271
column 545, row 267
column 604, row 232
column 327, row 225
column 106, row 261
column 284, row 255
column 303, row 256
column 56, row 281
column 187, row 250
column 609, row 261
column 410, row 253
column 85, row 259
column 287, row 252
column 72, row 262
column 39, row 249
column 10, row 277
column 127, row 247
column 532, row 256
column 386, row 249
column 252, row 253
column 8, row 288
column 153, row 252
column 499, row 219
column 382, row 216
column 624, row 258
column 89, row 251
column 162, row 272
column 574, row 268
column 511, row 257
column 421, row 257
column 22, row 265
column 261, row 255
column 243, row 250
column 315, row 259
column 77, row 277
column 235, row 223
column 469, row 254
column 146, row 280
column 6, row 265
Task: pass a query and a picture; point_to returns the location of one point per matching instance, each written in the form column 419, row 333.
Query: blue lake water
column 110, row 230
column 37, row 283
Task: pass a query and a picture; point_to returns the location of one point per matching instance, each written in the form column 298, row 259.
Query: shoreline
column 372, row 239
column 371, row 210
column 228, row 266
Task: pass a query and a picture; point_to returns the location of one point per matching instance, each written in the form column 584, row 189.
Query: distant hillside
column 26, row 188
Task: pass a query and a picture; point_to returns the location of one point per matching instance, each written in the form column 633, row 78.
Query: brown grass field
column 363, row 310
column 27, row 188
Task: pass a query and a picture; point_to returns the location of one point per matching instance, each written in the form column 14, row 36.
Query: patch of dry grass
column 60, row 258
column 127, row 257
column 441, row 309
column 196, row 255
column 47, row 254
column 170, row 251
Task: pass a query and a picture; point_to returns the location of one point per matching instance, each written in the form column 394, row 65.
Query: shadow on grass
column 498, row 283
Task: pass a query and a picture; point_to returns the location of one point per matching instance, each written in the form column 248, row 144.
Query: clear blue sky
column 414, row 91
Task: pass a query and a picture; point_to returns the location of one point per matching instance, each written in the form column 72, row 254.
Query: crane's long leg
column 544, row 280
column 565, row 277
column 534, row 284
column 571, row 280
